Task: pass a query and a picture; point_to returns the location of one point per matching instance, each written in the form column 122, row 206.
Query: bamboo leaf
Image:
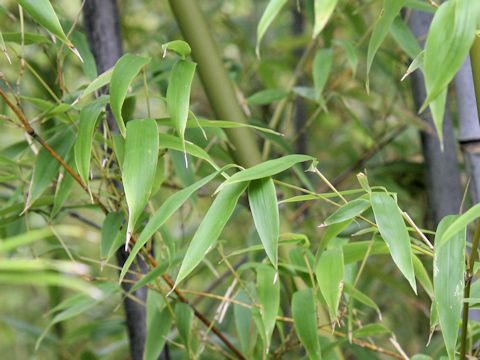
column 243, row 323
column 125, row 70
column 268, row 291
column 263, row 204
column 42, row 12
column 110, row 229
column 183, row 320
column 405, row 38
column 28, row 38
column 271, row 11
column 168, row 208
column 139, row 165
column 178, row 46
column 394, row 231
column 329, row 273
column 391, row 8
column 305, row 322
column 178, row 95
column 64, row 187
column 266, row 97
column 348, row 211
column 322, row 66
column 158, row 325
column 268, row 168
column 210, row 228
column 89, row 116
column 323, row 11
column 3, row 48
column 458, row 225
column 448, row 282
column 101, row 80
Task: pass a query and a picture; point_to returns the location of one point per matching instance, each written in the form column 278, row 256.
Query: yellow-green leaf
column 268, row 291
column 329, row 272
column 271, row 11
column 323, row 12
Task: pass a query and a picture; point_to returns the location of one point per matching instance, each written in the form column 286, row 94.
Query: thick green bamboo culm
column 215, row 80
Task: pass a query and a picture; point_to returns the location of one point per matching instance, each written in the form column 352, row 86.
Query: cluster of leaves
column 147, row 183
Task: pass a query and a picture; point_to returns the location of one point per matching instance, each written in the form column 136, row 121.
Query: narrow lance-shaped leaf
column 448, row 282
column 110, row 228
column 305, row 322
column 329, row 272
column 139, row 165
column 210, row 228
column 323, row 12
column 348, row 211
column 268, row 291
column 125, row 70
column 391, row 8
column 322, row 65
column 83, row 146
column 450, row 38
column 42, row 12
column 183, row 319
column 168, row 208
column 263, row 204
column 178, row 96
column 459, row 225
column 158, row 325
column 272, row 10
column 394, row 231
column 268, row 168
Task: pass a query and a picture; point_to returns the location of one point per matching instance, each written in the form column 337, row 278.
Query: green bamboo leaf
column 268, row 168
column 391, row 8
column 139, row 165
column 42, row 12
column 28, row 38
column 243, row 323
column 305, row 322
column 266, row 97
column 178, row 46
column 168, row 208
column 183, row 320
column 64, row 187
column 268, row 291
column 125, row 70
column 89, row 116
column 371, row 330
column 110, row 229
column 361, row 297
column 158, row 325
column 448, row 281
column 405, row 38
column 445, row 51
column 178, row 96
column 89, row 66
column 263, row 204
column 422, row 276
column 46, row 167
column 322, row 66
column 151, row 276
column 458, row 225
column 329, row 272
column 348, row 211
column 323, row 11
column 271, row 11
column 394, row 231
column 210, row 228
column 101, row 80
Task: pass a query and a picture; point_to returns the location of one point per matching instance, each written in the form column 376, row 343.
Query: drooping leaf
column 210, row 227
column 178, row 46
column 64, row 187
column 322, row 66
column 446, row 50
column 268, row 168
column 89, row 116
column 329, row 273
column 183, row 320
column 46, row 167
column 458, row 225
column 323, row 11
column 271, row 11
column 81, row 44
column 394, row 231
column 178, row 95
column 405, row 38
column 244, row 323
column 391, row 8
column 158, row 325
column 305, row 321
column 125, row 70
column 168, row 208
column 448, row 281
column 42, row 12
column 268, row 291
column 348, row 211
column 422, row 275
column 110, row 229
column 139, row 165
column 263, row 204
